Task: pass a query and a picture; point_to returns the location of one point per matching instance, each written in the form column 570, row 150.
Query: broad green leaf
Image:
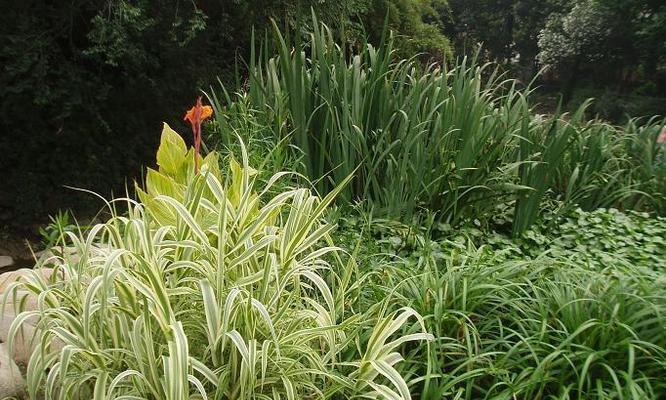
column 172, row 152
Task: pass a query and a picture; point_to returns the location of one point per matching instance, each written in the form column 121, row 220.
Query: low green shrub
column 545, row 328
column 566, row 311
column 595, row 239
column 599, row 238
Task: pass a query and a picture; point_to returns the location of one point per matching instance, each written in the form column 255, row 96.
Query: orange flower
column 204, row 112
column 196, row 115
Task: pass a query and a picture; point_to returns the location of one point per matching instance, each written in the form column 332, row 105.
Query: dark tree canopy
column 597, row 48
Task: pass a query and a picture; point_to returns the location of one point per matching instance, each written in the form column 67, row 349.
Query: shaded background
column 85, row 85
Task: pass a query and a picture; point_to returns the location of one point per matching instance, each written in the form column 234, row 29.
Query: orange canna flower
column 204, row 112
column 195, row 116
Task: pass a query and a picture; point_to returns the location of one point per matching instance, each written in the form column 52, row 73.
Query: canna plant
column 195, row 116
column 207, row 289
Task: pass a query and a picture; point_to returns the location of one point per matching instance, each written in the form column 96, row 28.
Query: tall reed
column 455, row 140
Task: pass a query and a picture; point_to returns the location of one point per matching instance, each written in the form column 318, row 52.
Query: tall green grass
column 610, row 166
column 455, row 140
column 539, row 329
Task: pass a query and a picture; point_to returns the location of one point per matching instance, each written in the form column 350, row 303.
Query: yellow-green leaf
column 172, row 151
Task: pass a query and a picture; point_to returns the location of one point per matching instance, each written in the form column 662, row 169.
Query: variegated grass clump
column 207, row 289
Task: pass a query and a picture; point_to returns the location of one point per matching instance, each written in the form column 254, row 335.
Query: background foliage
column 624, row 38
column 84, row 84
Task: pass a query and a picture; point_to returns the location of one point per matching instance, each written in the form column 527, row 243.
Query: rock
column 43, row 254
column 14, row 299
column 11, row 381
column 6, row 261
column 19, row 301
column 25, row 339
column 58, row 256
column 20, row 275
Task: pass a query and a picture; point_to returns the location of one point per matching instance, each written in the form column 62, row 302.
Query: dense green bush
column 614, row 47
column 616, row 106
column 417, row 25
column 81, row 83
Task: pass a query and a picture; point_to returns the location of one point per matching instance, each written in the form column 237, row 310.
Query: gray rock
column 6, row 261
column 25, row 340
column 58, row 256
column 11, row 381
column 18, row 301
column 21, row 275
